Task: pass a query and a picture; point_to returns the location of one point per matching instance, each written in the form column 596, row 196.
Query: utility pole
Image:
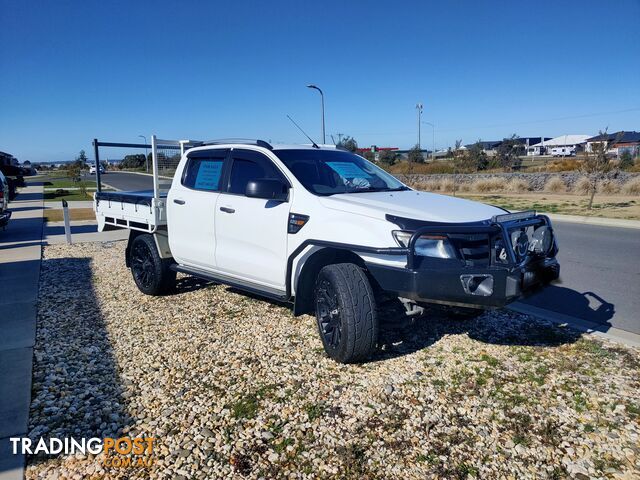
column 419, row 109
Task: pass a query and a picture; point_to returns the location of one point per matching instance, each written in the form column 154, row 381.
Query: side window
column 204, row 172
column 249, row 165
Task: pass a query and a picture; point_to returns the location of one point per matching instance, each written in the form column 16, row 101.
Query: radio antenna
column 303, row 132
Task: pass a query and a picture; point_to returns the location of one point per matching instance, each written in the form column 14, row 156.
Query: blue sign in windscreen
column 348, row 170
column 208, row 176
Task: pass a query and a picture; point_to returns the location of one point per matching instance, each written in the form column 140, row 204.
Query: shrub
column 518, row 185
column 491, row 184
column 626, row 160
column 632, row 187
column 555, row 185
column 582, row 186
column 608, row 187
column 464, row 187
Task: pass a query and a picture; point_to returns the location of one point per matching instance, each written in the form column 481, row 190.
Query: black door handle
column 227, row 210
column 179, row 202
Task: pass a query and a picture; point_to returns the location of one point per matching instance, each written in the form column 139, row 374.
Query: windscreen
column 327, row 172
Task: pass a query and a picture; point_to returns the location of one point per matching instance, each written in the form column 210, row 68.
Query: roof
column 563, row 140
column 617, row 137
column 486, row 145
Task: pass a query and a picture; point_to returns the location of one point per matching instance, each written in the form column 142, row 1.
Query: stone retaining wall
column 536, row 180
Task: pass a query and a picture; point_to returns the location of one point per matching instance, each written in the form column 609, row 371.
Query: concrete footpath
column 20, row 254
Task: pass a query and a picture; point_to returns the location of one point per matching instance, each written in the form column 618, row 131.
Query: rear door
column 191, row 204
column 251, row 233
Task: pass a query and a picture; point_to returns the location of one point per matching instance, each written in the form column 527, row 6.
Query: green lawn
column 66, row 182
column 69, row 197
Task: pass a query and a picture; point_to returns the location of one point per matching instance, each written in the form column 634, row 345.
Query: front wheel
column 150, row 272
column 346, row 313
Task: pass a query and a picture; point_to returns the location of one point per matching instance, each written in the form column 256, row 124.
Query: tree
column 133, row 161
column 369, row 155
column 595, row 165
column 82, row 157
column 348, row 143
column 73, row 171
column 458, row 156
column 387, row 157
column 508, row 153
column 477, row 157
column 415, row 155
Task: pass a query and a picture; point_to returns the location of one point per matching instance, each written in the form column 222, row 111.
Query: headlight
column 436, row 246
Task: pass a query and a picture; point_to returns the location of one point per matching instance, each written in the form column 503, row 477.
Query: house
column 490, row 148
column 559, row 146
column 617, row 143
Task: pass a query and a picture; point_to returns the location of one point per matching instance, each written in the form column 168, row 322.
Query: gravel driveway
column 232, row 386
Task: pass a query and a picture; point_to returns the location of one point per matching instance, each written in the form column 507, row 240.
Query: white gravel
column 232, row 386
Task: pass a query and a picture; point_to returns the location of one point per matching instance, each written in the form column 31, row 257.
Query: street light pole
column 433, row 131
column 146, row 154
column 322, row 103
column 419, row 109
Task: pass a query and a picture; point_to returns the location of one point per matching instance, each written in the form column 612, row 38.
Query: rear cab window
column 204, row 170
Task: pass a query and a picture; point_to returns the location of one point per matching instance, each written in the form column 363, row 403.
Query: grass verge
column 55, row 215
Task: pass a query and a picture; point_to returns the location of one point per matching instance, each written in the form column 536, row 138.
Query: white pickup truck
column 328, row 231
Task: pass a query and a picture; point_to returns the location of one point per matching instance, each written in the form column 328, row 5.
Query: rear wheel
column 150, row 272
column 346, row 313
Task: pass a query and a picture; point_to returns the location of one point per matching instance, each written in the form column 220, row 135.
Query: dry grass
column 447, row 184
column 405, row 167
column 605, row 206
column 608, row 188
column 485, row 185
column 518, row 185
column 55, row 215
column 564, row 165
column 555, row 185
column 632, row 187
column 582, row 186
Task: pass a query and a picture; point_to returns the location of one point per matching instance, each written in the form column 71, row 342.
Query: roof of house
column 563, row 140
column 486, row 145
column 617, row 137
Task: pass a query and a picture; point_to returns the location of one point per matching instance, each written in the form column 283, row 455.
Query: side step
column 249, row 287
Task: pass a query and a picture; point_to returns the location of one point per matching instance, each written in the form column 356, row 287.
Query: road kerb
column 588, row 220
column 611, row 333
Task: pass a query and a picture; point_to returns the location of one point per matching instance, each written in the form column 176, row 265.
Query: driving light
column 541, row 240
column 436, row 246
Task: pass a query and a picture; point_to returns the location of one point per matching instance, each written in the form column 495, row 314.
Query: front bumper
column 4, row 218
column 446, row 285
column 488, row 272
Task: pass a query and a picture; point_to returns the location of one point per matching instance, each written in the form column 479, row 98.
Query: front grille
column 474, row 249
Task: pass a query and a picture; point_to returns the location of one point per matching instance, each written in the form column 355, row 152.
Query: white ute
column 329, row 232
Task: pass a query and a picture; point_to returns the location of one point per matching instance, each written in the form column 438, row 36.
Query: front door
column 251, row 233
column 191, row 207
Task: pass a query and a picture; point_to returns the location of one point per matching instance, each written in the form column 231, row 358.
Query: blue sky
column 75, row 70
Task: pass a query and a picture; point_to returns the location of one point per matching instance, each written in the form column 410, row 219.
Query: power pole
column 419, row 109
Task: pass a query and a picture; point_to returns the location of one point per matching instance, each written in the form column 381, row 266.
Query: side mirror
column 267, row 188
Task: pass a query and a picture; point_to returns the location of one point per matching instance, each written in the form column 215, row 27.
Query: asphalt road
column 599, row 276
column 125, row 180
column 600, row 268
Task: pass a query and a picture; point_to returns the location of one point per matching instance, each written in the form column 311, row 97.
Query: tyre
column 346, row 313
column 150, row 272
